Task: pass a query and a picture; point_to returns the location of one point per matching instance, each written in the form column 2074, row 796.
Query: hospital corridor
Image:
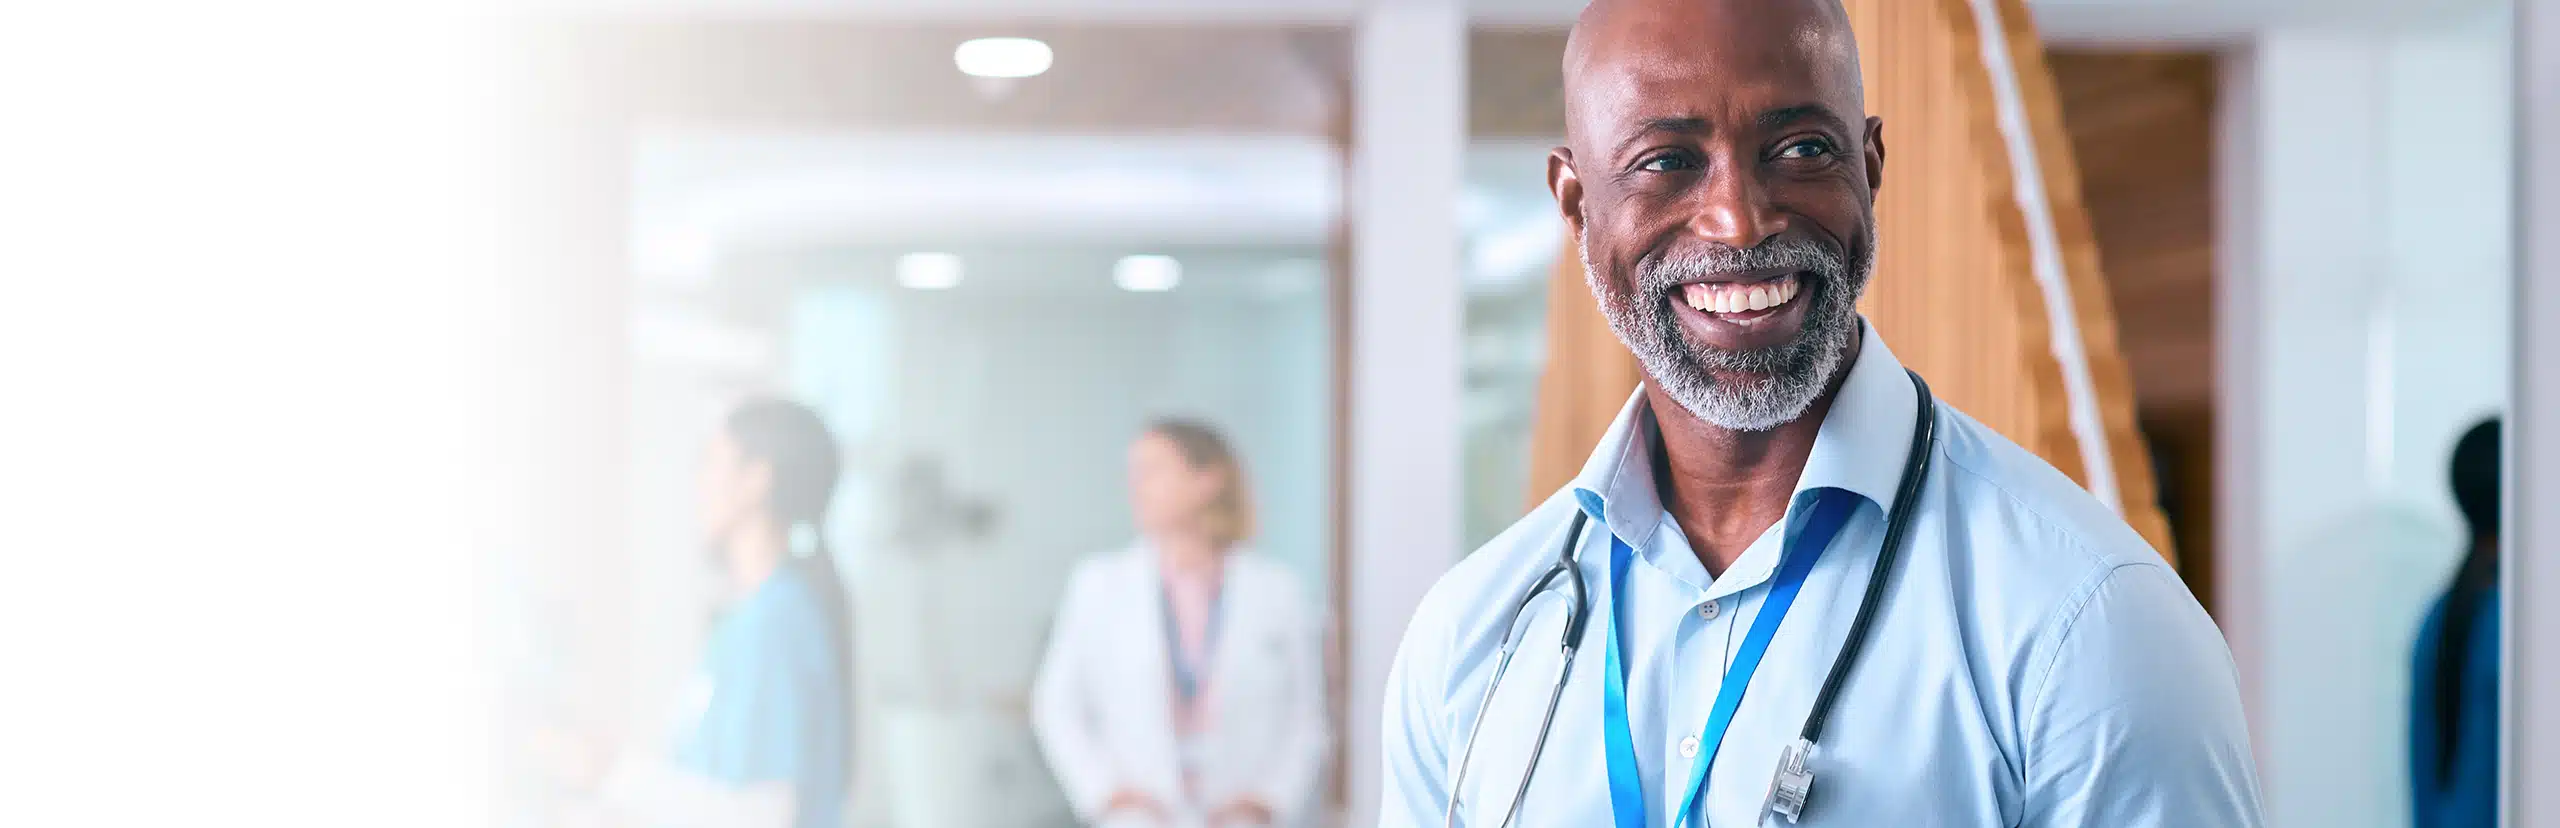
column 1286, row 413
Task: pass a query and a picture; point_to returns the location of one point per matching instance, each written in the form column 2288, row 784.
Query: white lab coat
column 1102, row 705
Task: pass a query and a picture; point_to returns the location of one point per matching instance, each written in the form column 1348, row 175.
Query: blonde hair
column 1229, row 516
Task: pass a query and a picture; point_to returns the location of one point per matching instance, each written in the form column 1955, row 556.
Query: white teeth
column 1730, row 298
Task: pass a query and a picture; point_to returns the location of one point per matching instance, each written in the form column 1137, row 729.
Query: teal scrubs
column 2455, row 788
column 776, row 708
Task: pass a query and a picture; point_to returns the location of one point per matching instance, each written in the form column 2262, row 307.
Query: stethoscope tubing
column 1914, row 473
column 1578, row 612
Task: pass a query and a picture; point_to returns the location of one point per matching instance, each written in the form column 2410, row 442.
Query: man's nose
column 1733, row 209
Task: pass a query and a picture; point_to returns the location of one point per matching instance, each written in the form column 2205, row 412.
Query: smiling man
column 1757, row 639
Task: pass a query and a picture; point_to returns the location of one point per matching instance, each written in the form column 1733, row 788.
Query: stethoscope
column 1794, row 782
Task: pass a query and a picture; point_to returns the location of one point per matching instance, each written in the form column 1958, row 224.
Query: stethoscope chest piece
column 1793, row 784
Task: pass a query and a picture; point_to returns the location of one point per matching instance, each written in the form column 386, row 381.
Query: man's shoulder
column 2063, row 564
column 1476, row 594
column 1993, row 478
column 2024, row 532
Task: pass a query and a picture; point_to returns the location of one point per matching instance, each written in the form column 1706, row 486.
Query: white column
column 2296, row 406
column 1408, row 142
column 2239, row 564
column 2533, row 435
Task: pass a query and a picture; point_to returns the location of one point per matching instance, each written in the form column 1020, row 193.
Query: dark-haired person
column 2453, row 705
column 1183, row 685
column 762, row 734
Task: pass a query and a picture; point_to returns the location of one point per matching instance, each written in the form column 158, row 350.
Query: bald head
column 1710, row 41
column 1718, row 154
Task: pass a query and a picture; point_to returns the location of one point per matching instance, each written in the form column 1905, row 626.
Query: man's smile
column 1742, row 315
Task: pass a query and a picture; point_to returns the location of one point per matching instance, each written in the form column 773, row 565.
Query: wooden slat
column 2088, row 285
column 2141, row 127
column 1951, row 300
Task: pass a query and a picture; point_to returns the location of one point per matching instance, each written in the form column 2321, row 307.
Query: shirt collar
column 1861, row 448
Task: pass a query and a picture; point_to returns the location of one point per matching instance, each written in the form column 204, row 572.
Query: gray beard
column 1761, row 389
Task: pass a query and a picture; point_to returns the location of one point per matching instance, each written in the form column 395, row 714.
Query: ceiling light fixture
column 1146, row 273
column 1002, row 57
column 929, row 271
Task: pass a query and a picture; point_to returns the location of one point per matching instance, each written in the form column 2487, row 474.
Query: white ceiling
column 2078, row 20
column 699, row 194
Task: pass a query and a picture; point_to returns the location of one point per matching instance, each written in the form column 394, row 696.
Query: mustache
column 1660, row 272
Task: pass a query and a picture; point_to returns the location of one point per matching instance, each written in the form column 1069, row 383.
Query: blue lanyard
column 1626, row 786
column 1186, row 672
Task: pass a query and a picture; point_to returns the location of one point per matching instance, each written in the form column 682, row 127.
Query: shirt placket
column 1711, row 626
column 1698, row 665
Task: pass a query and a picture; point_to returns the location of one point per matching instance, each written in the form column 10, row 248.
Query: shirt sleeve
column 2136, row 722
column 1413, row 728
column 777, row 711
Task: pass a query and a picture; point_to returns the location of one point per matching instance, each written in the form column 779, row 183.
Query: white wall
column 2374, row 330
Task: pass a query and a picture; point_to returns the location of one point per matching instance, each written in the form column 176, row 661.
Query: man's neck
column 1727, row 487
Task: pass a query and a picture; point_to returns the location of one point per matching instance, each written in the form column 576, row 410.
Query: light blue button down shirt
column 2033, row 662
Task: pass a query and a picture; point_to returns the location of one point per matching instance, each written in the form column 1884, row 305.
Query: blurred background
column 991, row 244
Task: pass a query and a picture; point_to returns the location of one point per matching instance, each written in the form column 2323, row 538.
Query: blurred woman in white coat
column 1183, row 685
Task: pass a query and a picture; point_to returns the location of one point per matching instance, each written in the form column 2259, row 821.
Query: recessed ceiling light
column 1002, row 57
column 929, row 271
column 1147, row 273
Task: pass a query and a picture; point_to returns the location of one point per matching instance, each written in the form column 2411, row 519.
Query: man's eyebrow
column 1676, row 124
column 1785, row 115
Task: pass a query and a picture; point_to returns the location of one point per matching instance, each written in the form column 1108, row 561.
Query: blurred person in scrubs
column 761, row 734
column 1183, row 687
column 2453, row 711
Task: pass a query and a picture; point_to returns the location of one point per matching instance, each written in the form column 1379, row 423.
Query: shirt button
column 1689, row 748
column 1710, row 610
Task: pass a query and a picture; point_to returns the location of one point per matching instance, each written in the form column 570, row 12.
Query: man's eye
column 1666, row 163
column 1811, row 148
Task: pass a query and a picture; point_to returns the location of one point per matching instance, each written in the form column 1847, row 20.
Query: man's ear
column 1875, row 154
column 1567, row 188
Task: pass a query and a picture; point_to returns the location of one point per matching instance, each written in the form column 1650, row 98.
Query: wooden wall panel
column 2091, row 308
column 1942, row 255
column 2141, row 127
column 1955, row 290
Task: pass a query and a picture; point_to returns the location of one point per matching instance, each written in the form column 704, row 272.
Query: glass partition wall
column 987, row 289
